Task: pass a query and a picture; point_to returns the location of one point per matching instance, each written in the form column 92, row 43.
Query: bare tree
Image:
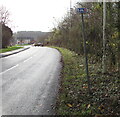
column 4, row 15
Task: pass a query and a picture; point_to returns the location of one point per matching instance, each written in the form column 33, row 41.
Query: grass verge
column 10, row 49
column 74, row 98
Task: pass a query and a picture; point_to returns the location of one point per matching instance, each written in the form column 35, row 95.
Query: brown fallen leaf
column 85, row 87
column 88, row 106
column 69, row 105
column 101, row 107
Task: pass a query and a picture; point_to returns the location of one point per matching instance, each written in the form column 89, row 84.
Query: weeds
column 74, row 99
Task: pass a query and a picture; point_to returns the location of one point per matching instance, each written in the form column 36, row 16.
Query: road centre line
column 9, row 69
column 15, row 66
column 27, row 59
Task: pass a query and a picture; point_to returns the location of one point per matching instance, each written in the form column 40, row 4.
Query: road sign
column 82, row 10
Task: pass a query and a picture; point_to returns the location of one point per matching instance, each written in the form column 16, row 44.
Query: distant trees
column 41, row 38
column 6, row 31
column 68, row 34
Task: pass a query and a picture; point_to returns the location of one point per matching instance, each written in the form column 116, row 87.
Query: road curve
column 30, row 82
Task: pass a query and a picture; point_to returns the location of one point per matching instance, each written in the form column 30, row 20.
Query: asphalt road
column 30, row 82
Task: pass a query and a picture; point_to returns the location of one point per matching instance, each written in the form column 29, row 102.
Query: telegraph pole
column 0, row 35
column 69, row 41
column 104, row 39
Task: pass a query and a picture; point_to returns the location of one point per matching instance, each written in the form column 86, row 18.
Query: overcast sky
column 35, row 15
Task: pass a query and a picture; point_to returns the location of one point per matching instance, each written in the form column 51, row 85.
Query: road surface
column 30, row 82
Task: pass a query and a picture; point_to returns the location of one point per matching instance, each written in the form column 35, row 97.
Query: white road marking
column 27, row 59
column 15, row 66
column 9, row 69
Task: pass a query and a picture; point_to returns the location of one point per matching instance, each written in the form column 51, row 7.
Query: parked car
column 38, row 44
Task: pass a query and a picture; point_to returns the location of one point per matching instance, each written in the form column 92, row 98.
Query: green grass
column 22, row 45
column 10, row 49
column 73, row 95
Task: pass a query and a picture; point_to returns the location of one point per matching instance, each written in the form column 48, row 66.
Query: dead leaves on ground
column 105, row 98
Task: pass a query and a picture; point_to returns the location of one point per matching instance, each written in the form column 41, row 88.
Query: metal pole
column 85, row 54
column 104, row 38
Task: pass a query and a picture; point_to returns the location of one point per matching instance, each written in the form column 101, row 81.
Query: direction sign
column 82, row 10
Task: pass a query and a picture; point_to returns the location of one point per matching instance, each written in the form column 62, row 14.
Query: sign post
column 82, row 11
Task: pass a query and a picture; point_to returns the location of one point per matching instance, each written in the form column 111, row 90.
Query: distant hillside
column 30, row 35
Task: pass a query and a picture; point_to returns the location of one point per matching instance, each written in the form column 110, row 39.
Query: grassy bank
column 10, row 49
column 74, row 98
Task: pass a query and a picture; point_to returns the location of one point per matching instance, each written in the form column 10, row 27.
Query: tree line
column 6, row 35
column 68, row 33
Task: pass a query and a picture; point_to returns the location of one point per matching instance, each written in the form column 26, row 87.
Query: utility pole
column 0, row 35
column 104, row 39
column 82, row 11
column 69, row 41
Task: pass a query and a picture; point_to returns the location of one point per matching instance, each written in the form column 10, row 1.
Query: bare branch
column 4, row 15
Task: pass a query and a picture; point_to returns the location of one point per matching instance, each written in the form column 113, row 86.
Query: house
column 29, row 37
column 24, row 40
